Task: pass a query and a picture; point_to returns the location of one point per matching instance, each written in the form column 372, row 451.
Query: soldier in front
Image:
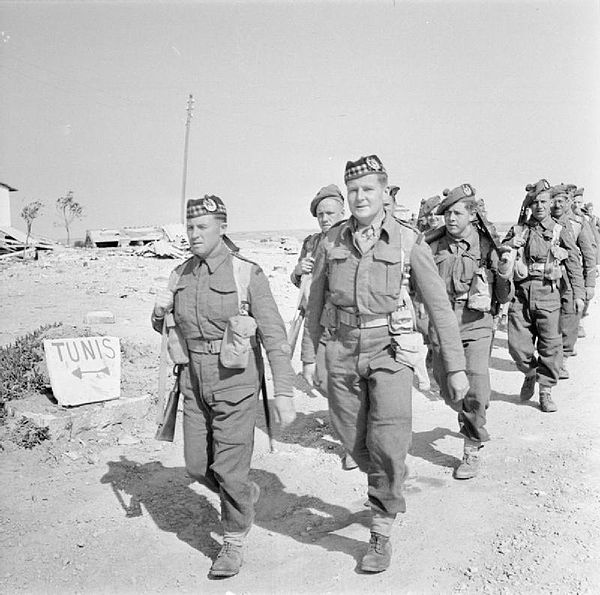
column 221, row 325
column 359, row 292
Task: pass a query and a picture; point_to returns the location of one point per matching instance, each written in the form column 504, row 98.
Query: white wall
column 4, row 206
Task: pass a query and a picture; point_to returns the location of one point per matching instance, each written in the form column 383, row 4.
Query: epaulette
column 412, row 228
column 180, row 267
column 406, row 224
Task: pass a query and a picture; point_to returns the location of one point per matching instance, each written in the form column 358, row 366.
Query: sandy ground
column 114, row 512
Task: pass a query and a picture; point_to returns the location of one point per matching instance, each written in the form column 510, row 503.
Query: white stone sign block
column 84, row 369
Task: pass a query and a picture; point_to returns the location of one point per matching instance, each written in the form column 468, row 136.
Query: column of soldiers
column 370, row 275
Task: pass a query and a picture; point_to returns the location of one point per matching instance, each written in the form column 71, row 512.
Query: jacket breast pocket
column 386, row 271
column 341, row 273
column 222, row 300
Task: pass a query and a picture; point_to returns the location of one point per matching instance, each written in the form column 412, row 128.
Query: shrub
column 22, row 369
column 28, row 434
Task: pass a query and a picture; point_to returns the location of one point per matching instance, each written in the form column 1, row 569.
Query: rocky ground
column 111, row 510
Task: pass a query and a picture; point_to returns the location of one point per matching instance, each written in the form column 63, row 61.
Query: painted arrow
column 78, row 372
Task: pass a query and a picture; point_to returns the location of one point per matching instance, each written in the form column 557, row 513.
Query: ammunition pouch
column 236, row 344
column 406, row 348
column 176, row 344
column 329, row 317
column 480, row 296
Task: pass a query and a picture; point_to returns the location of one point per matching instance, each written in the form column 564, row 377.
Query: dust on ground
column 112, row 510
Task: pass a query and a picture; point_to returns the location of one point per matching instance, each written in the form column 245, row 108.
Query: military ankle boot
column 528, row 387
column 470, row 462
column 547, row 405
column 228, row 561
column 379, row 554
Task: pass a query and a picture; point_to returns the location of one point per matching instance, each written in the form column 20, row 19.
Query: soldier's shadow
column 165, row 494
column 500, row 343
column 503, row 365
column 423, row 447
column 514, row 399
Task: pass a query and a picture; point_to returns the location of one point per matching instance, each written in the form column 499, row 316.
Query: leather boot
column 470, row 462
column 547, row 405
column 528, row 387
column 228, row 561
column 379, row 554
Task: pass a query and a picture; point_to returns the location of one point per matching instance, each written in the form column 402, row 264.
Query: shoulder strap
column 485, row 249
column 556, row 234
column 242, row 269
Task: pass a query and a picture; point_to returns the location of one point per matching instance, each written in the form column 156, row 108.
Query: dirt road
column 97, row 516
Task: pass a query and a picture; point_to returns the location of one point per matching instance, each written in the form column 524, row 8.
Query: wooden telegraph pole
column 190, row 109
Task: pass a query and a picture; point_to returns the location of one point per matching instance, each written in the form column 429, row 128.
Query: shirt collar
column 470, row 239
column 547, row 223
column 383, row 223
column 214, row 260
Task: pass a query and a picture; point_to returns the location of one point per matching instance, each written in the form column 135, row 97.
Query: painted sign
column 84, row 369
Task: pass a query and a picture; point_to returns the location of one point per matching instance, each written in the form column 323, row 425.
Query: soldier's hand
column 308, row 373
column 458, row 385
column 517, row 241
column 589, row 293
column 307, row 264
column 285, row 413
column 163, row 302
column 579, row 305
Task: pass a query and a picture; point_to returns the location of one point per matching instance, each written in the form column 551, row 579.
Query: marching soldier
column 359, row 292
column 467, row 261
column 427, row 220
column 578, row 208
column 533, row 315
column 569, row 319
column 328, row 207
column 220, row 323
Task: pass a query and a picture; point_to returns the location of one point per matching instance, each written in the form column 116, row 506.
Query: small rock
column 99, row 317
column 128, row 440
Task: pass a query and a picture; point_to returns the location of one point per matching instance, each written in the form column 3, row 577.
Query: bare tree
column 29, row 213
column 69, row 209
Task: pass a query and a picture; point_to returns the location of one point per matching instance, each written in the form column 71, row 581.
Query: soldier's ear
column 223, row 227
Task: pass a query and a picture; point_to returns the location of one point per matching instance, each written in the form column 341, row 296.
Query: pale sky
column 93, row 100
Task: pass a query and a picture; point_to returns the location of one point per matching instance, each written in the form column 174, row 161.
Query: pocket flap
column 338, row 253
column 234, row 394
column 222, row 284
column 387, row 253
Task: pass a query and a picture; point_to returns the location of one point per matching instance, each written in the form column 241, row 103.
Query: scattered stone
column 99, row 317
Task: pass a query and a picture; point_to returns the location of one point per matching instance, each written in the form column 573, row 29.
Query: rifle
column 166, row 425
column 487, row 228
column 296, row 323
column 162, row 371
column 263, row 388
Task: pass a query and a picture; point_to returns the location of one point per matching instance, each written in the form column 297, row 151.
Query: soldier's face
column 558, row 206
column 457, row 219
column 204, row 233
column 329, row 212
column 578, row 201
column 540, row 207
column 365, row 197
